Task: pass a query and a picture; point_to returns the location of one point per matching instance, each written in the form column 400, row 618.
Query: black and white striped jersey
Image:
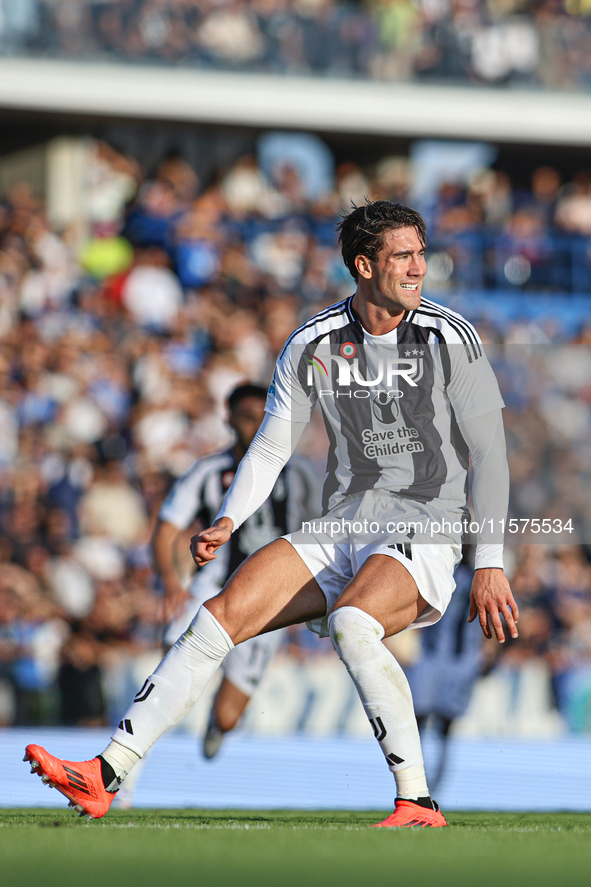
column 198, row 496
column 390, row 403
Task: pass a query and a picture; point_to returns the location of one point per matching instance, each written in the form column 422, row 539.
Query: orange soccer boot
column 80, row 781
column 410, row 814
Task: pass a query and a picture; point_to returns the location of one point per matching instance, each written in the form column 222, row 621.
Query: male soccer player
column 406, row 393
column 198, row 496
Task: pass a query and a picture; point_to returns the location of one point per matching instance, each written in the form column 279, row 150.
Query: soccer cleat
column 80, row 781
column 213, row 738
column 408, row 814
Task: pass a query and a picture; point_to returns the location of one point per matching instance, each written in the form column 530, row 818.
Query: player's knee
column 238, row 616
column 352, row 629
column 227, row 717
column 229, row 708
column 222, row 610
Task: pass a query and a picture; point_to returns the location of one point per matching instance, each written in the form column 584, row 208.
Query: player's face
column 246, row 419
column 396, row 275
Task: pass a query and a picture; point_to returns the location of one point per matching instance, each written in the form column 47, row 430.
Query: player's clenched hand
column 205, row 544
column 491, row 596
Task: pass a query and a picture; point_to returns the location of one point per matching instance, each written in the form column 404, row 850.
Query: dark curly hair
column 243, row 391
column 361, row 232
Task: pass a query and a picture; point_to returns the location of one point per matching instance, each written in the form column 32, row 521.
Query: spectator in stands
column 151, row 293
column 573, row 210
column 501, row 43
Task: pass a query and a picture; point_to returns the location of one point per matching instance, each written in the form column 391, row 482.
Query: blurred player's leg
column 227, row 709
column 442, row 728
column 244, row 668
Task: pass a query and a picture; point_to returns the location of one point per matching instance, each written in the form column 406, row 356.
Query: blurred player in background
column 442, row 678
column 198, row 497
column 195, row 499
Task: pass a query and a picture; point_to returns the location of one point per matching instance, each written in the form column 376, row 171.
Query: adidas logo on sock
column 126, row 726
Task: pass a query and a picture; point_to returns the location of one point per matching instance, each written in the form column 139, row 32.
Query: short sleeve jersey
column 390, row 403
column 199, row 493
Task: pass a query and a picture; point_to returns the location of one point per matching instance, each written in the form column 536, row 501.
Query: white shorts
column 245, row 665
column 334, row 563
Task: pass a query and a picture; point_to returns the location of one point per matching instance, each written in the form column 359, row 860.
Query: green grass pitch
column 173, row 848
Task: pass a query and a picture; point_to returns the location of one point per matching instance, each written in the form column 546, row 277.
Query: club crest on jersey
column 385, row 408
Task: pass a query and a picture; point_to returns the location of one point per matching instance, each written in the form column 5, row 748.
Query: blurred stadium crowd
column 121, row 336
column 500, row 42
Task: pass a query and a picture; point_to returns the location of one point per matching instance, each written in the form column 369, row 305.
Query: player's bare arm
column 491, row 597
column 163, row 547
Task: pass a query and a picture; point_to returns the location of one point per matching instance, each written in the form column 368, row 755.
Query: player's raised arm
column 163, row 542
column 270, row 449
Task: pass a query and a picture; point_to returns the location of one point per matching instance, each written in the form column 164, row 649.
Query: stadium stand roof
column 324, row 105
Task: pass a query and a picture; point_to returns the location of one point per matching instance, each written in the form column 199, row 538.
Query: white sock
column 171, row 692
column 126, row 792
column 385, row 694
column 121, row 760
